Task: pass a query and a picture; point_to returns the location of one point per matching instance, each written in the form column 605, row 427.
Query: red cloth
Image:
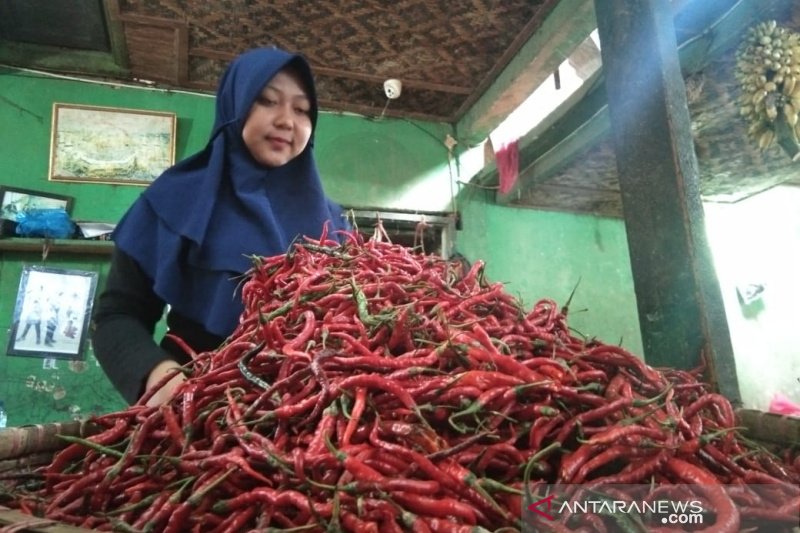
column 508, row 165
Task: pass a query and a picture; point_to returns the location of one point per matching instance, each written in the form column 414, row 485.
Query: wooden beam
column 577, row 124
column 585, row 59
column 181, row 54
column 566, row 26
column 116, row 33
column 681, row 314
column 61, row 60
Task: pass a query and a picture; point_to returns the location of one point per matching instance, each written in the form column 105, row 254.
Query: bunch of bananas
column 768, row 72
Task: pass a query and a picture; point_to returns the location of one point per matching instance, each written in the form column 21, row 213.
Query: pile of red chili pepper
column 372, row 388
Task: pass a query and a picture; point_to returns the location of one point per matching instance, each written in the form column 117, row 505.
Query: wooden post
column 681, row 314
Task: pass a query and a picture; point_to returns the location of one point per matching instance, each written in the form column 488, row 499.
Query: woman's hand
column 167, row 391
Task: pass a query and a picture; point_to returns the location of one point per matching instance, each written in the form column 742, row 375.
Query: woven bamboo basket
column 23, row 449
column 770, row 428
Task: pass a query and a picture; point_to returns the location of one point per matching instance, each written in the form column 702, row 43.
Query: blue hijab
column 193, row 229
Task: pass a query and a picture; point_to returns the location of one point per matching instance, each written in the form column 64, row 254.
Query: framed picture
column 14, row 201
column 110, row 145
column 52, row 312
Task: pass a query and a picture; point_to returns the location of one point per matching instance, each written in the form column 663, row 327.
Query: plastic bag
column 782, row 405
column 50, row 223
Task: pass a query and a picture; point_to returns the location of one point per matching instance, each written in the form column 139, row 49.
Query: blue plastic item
column 50, row 223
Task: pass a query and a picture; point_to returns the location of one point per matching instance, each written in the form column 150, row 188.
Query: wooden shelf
column 63, row 246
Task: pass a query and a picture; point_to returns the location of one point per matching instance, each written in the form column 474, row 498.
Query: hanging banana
column 768, row 72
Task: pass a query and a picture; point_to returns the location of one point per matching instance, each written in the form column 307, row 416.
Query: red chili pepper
column 387, row 516
column 473, row 492
column 596, row 413
column 430, row 348
column 486, row 379
column 182, row 344
column 528, row 412
column 63, row 458
column 179, row 516
column 505, row 363
column 616, row 433
column 173, row 425
column 723, row 459
column 604, row 458
column 442, row 525
column 482, row 402
column 513, row 457
column 157, row 512
column 481, row 298
column 571, row 462
column 382, row 363
column 236, row 522
column 352, row 522
column 76, row 489
column 638, row 471
column 298, row 343
column 574, row 395
column 360, row 471
column 417, row 486
column 756, row 477
column 616, row 355
column 458, row 396
column 358, row 346
column 727, row 514
column 420, row 436
column 595, row 375
column 325, row 428
column 779, row 471
column 618, row 387
column 791, row 507
column 233, row 457
column 376, row 381
column 400, row 340
column 727, row 418
column 437, row 507
column 541, row 428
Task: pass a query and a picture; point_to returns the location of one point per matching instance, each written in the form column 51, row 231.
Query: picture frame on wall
column 94, row 144
column 52, row 313
column 14, row 201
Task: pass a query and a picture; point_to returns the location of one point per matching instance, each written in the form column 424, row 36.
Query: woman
column 186, row 241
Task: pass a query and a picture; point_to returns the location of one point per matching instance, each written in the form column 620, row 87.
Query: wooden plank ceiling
column 445, row 52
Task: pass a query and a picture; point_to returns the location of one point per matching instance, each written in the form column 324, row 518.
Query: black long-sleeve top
column 123, row 327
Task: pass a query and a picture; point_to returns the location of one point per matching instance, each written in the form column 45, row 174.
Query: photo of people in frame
column 52, row 312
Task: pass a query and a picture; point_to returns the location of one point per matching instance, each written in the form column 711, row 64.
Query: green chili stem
column 93, row 445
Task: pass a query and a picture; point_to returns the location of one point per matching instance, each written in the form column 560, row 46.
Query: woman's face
column 278, row 126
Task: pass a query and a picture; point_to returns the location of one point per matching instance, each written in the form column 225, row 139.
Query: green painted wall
column 384, row 163
column 26, row 102
column 541, row 254
column 363, row 161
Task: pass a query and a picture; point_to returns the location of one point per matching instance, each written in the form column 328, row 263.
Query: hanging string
column 385, row 107
column 46, row 248
column 419, row 234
